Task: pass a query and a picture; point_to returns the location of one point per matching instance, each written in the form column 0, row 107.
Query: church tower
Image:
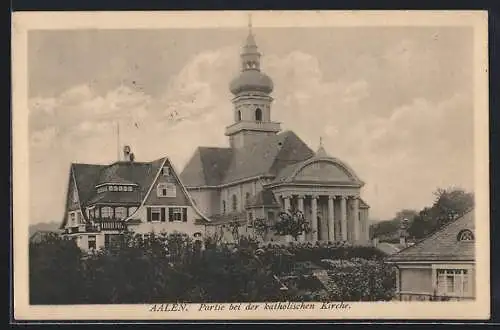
column 252, row 100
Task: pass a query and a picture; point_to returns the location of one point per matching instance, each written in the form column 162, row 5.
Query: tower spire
column 249, row 23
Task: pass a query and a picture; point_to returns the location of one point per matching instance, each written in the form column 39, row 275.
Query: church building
column 266, row 171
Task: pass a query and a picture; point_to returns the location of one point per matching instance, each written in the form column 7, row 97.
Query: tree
column 448, row 205
column 291, row 223
column 55, row 273
column 451, row 203
column 260, row 228
column 234, row 226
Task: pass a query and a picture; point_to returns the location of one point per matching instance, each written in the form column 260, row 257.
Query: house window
column 155, row 214
column 120, row 188
column 258, row 114
column 106, row 212
column 130, row 188
column 239, row 115
column 165, row 171
column 250, row 217
column 234, row 205
column 166, row 190
column 453, row 282
column 96, row 213
column 223, row 207
column 92, row 242
column 247, row 199
column 177, row 214
column 120, row 212
column 465, row 235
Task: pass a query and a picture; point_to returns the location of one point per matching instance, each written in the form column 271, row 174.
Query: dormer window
column 465, row 235
column 165, row 171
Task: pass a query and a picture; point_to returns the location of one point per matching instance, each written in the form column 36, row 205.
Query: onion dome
column 251, row 79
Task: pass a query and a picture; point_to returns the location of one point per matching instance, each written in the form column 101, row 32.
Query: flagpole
column 118, row 139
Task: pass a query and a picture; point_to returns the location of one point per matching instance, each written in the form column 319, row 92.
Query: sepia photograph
column 250, row 165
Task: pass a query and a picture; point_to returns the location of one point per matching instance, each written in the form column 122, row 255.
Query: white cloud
column 402, row 156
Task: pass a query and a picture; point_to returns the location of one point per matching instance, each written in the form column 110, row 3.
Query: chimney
column 126, row 153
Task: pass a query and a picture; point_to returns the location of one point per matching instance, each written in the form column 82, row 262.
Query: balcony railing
column 253, row 125
column 97, row 227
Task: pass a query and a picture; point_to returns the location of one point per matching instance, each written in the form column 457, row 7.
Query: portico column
column 356, row 227
column 300, row 207
column 331, row 219
column 314, row 217
column 367, row 227
column 286, row 200
column 343, row 217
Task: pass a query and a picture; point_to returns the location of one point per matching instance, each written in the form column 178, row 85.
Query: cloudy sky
column 394, row 103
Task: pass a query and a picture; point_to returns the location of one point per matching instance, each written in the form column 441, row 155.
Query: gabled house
column 105, row 200
column 440, row 266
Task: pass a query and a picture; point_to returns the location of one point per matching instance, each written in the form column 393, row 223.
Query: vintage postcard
column 250, row 165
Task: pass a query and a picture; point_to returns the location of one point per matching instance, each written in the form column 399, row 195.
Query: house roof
column 207, row 166
column 442, row 245
column 89, row 175
column 216, row 166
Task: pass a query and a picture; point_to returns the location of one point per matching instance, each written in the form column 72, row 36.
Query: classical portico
column 338, row 215
column 327, row 191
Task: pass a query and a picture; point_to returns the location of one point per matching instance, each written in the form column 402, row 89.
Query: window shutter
column 184, row 215
column 149, row 214
column 162, row 214
column 170, row 214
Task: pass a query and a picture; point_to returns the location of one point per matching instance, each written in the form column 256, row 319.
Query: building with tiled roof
column 265, row 171
column 440, row 266
column 105, row 200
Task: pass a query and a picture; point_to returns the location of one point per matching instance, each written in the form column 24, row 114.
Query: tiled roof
column 442, row 245
column 264, row 198
column 123, row 197
column 207, row 166
column 88, row 176
column 214, row 166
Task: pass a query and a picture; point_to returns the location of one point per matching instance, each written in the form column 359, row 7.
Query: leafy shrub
column 171, row 267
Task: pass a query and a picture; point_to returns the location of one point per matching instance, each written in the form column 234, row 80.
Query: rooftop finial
column 321, row 151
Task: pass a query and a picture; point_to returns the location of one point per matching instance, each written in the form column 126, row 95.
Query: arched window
column 465, row 235
column 258, row 114
column 247, row 198
column 223, row 207
column 239, row 115
column 234, row 203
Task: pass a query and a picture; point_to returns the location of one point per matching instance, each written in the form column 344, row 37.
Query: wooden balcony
column 97, row 226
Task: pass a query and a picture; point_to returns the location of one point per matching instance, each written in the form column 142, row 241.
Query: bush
column 173, row 268
column 360, row 280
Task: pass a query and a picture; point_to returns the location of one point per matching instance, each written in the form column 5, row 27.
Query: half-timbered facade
column 105, row 200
